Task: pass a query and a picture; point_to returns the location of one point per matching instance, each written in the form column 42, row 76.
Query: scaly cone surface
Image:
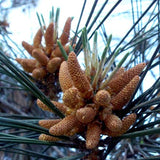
column 45, row 137
column 64, row 77
column 120, row 81
column 79, row 78
column 93, row 135
column 64, row 126
column 125, row 94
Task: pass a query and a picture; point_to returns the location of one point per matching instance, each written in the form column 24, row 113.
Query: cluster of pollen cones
column 88, row 110
column 46, row 55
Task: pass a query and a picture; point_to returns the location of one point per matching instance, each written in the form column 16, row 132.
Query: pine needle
column 62, row 50
column 17, row 74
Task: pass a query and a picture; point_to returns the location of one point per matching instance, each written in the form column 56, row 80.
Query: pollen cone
column 80, row 80
column 119, row 72
column 102, row 98
column 37, row 39
column 86, row 114
column 113, row 122
column 66, row 31
column 53, row 64
column 27, row 64
column 77, row 129
column 93, row 135
column 125, row 94
column 40, row 56
column 49, row 39
column 48, row 123
column 39, row 73
column 59, row 105
column 43, row 106
column 64, row 77
column 126, row 123
column 29, row 48
column 45, row 137
column 120, row 81
column 71, row 98
column 64, row 126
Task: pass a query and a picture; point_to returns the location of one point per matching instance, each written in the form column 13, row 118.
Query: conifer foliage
column 97, row 104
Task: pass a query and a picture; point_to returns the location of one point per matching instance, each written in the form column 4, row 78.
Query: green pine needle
column 17, row 74
column 141, row 133
column 62, row 50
